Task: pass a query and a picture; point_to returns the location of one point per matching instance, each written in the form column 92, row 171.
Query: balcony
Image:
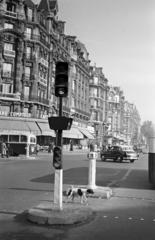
column 44, row 62
column 43, row 81
column 37, row 38
column 39, row 100
column 11, row 14
column 9, row 53
column 7, row 74
column 9, row 96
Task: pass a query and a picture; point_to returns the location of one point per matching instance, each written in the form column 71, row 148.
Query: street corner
column 49, row 214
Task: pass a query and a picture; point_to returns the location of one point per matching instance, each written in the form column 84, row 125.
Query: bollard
column 151, row 157
column 28, row 151
column 92, row 170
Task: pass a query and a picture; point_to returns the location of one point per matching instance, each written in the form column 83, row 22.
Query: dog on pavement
column 82, row 193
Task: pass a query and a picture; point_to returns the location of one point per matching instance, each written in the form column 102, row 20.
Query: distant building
column 98, row 88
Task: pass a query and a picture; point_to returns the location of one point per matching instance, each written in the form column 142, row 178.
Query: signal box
column 60, row 123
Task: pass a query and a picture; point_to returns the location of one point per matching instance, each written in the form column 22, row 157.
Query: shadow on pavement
column 137, row 179
column 76, row 176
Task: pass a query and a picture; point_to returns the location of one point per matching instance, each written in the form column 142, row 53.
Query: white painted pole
column 92, row 170
column 58, row 188
column 151, row 156
column 27, row 151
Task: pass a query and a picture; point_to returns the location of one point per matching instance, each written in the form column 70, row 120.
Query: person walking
column 8, row 150
column 37, row 148
column 4, row 149
column 51, row 146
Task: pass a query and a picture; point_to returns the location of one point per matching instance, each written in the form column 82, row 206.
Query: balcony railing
column 37, row 38
column 11, row 14
column 44, row 62
column 7, row 74
column 9, row 95
column 10, row 53
column 40, row 100
column 42, row 80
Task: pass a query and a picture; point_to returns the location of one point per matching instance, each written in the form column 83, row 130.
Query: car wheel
column 103, row 158
column 132, row 161
column 119, row 159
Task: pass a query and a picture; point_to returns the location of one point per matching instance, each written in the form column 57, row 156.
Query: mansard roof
column 48, row 6
column 29, row 3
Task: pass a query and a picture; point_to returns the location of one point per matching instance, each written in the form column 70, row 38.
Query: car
column 119, row 153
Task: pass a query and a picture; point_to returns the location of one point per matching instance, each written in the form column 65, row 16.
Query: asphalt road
column 129, row 214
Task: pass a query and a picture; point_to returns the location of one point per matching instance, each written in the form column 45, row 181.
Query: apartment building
column 98, row 92
column 32, row 39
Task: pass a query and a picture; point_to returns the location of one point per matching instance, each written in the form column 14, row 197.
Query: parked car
column 119, row 153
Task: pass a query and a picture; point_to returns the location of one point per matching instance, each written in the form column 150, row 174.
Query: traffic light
column 57, row 157
column 60, row 123
column 61, row 79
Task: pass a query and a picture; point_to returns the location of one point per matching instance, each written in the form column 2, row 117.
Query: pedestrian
column 8, row 150
column 4, row 149
column 37, row 148
column 71, row 145
column 91, row 147
column 50, row 148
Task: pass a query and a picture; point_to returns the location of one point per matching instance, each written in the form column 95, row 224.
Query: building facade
column 32, row 40
column 98, row 92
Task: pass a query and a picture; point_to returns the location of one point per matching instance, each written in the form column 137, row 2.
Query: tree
column 146, row 129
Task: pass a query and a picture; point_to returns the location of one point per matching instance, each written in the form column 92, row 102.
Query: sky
column 120, row 37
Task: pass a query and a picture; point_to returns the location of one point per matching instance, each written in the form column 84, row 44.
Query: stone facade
column 32, row 40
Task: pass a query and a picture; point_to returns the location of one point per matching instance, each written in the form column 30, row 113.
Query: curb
column 48, row 214
column 72, row 213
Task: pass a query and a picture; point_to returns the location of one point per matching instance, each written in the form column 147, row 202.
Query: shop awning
column 10, row 125
column 45, row 130
column 72, row 133
column 33, row 127
column 86, row 133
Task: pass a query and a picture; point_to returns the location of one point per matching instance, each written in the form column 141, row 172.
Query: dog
column 83, row 193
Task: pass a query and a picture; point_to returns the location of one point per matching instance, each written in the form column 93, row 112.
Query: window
column 8, row 25
column 4, row 138
column 23, row 138
column 93, row 92
column 95, row 80
column 7, row 69
column 6, row 88
column 26, row 92
column 28, row 52
column 27, row 72
column 32, row 140
column 8, row 46
column 29, row 14
column 10, row 7
column 28, row 33
column 13, row 138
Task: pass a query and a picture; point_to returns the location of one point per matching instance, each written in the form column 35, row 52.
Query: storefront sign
column 15, row 114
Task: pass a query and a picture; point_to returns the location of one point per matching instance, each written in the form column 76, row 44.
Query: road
column 129, row 214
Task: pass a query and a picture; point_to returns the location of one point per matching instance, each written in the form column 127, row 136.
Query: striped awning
column 45, row 129
column 73, row 133
column 86, row 133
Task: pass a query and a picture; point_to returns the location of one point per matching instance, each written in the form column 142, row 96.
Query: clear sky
column 120, row 37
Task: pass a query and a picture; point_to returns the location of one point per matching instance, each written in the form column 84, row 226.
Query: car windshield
column 128, row 148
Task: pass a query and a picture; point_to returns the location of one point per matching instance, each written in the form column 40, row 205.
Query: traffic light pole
column 58, row 181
